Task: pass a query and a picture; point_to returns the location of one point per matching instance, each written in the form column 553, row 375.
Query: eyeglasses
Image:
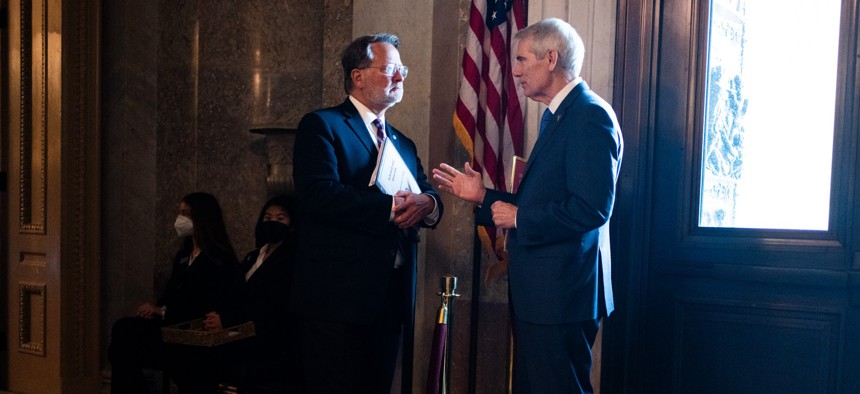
column 390, row 69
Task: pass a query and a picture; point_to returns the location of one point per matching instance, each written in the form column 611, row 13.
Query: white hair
column 556, row 34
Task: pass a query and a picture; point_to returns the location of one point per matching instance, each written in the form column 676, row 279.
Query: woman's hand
column 148, row 311
column 212, row 322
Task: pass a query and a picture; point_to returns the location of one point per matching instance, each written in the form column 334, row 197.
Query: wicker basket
column 193, row 333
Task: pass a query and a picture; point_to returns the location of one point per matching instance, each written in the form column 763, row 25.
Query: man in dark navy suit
column 354, row 280
column 558, row 221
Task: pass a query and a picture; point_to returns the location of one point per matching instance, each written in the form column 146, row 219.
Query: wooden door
column 4, row 201
column 724, row 309
column 50, row 265
column 33, row 253
column 34, row 291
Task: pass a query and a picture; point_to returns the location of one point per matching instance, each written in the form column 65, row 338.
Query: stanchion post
column 437, row 378
column 449, row 288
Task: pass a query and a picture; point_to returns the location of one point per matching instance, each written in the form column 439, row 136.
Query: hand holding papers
column 518, row 168
column 391, row 174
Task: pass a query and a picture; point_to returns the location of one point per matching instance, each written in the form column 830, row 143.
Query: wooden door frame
column 81, row 206
column 82, row 173
column 4, row 200
column 75, row 166
column 632, row 97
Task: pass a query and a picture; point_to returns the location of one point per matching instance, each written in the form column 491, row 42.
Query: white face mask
column 184, row 226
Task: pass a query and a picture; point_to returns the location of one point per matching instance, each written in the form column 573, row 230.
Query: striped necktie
column 380, row 133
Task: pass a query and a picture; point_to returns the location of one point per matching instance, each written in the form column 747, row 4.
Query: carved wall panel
column 35, row 260
column 33, row 115
column 733, row 347
column 31, row 318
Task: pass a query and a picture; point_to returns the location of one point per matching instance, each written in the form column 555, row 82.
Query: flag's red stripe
column 490, row 106
column 471, row 73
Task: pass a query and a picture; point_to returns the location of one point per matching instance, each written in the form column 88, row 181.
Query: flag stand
column 437, row 378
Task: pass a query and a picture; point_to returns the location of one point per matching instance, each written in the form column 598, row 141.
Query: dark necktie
column 380, row 133
column 544, row 121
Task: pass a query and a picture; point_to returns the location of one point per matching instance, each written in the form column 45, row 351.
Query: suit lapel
column 559, row 115
column 356, row 124
column 392, row 136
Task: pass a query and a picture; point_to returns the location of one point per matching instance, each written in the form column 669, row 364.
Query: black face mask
column 271, row 231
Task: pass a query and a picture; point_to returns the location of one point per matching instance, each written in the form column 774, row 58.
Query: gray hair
column 554, row 33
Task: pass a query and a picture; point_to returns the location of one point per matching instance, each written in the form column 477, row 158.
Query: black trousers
column 136, row 345
column 553, row 358
column 346, row 358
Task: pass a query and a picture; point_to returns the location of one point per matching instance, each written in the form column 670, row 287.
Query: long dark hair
column 210, row 233
column 283, row 201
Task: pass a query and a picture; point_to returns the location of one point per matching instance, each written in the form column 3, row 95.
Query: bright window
column 769, row 114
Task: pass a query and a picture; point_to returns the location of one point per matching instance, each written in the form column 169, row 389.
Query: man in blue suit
column 354, row 281
column 558, row 220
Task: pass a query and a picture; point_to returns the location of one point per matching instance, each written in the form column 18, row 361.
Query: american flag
column 489, row 115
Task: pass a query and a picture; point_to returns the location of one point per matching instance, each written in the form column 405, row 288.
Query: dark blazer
column 559, row 260
column 211, row 283
column 272, row 354
column 347, row 245
column 265, row 299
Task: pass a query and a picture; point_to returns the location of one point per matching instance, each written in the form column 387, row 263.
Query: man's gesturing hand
column 466, row 186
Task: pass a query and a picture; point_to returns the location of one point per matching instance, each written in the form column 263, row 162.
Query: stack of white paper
column 391, row 173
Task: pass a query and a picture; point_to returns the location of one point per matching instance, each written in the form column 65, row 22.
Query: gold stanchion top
column 448, row 286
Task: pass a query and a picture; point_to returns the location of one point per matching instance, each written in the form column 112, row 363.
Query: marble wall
column 184, row 82
column 225, row 67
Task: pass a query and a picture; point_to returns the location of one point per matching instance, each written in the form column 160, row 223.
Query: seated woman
column 205, row 278
column 268, row 359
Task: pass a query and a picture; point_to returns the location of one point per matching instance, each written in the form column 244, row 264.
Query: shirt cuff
column 433, row 216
